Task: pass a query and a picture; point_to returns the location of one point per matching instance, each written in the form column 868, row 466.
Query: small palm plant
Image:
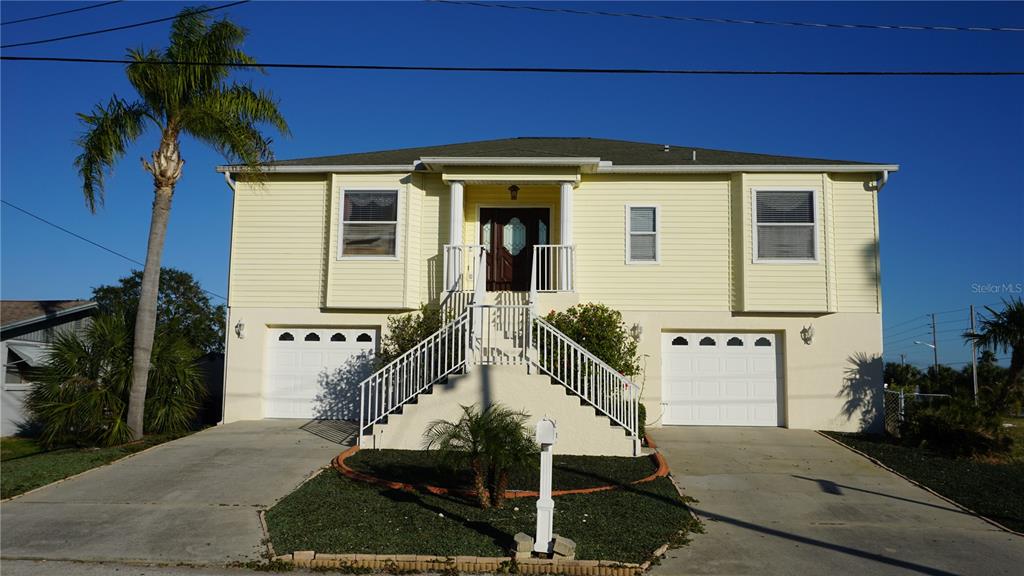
column 81, row 391
column 1003, row 331
column 489, row 442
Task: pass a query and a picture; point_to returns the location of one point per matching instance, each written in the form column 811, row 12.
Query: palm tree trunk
column 500, row 488
column 166, row 169
column 480, row 483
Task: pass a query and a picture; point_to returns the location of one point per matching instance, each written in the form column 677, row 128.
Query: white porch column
column 455, row 215
column 564, row 255
column 566, row 211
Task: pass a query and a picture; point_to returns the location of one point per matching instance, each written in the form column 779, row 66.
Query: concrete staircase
column 581, row 429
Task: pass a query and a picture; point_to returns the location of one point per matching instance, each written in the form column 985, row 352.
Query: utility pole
column 974, row 358
column 903, row 359
column 935, row 351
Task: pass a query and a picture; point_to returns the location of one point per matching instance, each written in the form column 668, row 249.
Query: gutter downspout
column 879, row 184
column 227, row 304
column 230, row 182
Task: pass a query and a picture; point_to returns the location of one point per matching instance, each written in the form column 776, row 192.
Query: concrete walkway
column 194, row 500
column 778, row 501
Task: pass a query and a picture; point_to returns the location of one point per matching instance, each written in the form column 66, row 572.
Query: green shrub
column 641, row 419
column 81, row 392
column 601, row 331
column 489, row 442
column 956, row 427
column 406, row 331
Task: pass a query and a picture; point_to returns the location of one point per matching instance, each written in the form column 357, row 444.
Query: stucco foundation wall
column 834, row 383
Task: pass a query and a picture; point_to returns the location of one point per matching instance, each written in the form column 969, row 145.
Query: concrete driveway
column 194, row 500
column 778, row 501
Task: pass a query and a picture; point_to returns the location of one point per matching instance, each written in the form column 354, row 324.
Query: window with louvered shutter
column 785, row 225
column 369, row 223
column 642, row 234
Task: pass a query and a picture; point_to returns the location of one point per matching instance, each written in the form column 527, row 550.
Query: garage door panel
column 327, row 366
column 721, row 383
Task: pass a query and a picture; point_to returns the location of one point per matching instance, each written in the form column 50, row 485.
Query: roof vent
column 666, row 147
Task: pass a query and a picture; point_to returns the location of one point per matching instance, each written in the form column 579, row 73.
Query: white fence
column 554, row 268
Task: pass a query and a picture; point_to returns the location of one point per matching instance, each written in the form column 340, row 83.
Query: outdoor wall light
column 807, row 334
column 513, row 191
column 240, row 330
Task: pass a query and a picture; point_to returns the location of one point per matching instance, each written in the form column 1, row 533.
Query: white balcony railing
column 461, row 266
column 554, row 268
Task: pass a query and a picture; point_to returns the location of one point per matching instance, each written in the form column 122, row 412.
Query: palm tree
column 1001, row 331
column 490, row 442
column 463, row 443
column 194, row 98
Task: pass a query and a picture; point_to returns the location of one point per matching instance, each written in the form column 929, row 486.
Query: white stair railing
column 600, row 385
column 442, row 353
column 504, row 334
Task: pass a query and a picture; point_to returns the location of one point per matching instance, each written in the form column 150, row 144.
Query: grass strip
column 24, row 470
column 334, row 514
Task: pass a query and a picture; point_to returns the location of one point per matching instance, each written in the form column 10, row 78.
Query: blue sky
column 951, row 220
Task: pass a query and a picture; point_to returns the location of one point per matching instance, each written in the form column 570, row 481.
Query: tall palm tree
column 182, row 90
column 1001, row 331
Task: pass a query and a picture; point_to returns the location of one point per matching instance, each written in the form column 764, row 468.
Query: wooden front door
column 509, row 235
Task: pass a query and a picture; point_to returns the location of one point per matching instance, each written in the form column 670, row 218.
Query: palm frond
column 229, row 119
column 108, row 132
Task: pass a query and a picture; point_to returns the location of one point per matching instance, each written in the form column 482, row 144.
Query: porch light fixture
column 513, row 191
column 240, row 330
column 807, row 334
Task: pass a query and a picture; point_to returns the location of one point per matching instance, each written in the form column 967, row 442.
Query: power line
column 116, row 28
column 84, row 239
column 61, row 13
column 791, row 24
column 917, row 318
column 529, row 70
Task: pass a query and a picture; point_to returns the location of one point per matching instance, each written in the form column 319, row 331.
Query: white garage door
column 720, row 379
column 314, row 373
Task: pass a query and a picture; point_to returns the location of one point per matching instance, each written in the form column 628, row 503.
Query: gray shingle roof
column 619, row 152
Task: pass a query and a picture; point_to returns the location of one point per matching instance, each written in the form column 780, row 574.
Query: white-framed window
column 369, row 224
column 785, row 225
column 643, row 231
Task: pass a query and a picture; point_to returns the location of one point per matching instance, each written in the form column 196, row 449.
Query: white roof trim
column 594, row 165
column 320, row 168
column 724, row 168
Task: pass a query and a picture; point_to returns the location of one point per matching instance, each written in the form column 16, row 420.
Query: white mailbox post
column 547, row 435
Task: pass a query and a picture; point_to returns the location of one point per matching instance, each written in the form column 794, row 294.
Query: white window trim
column 398, row 220
column 656, row 234
column 815, row 194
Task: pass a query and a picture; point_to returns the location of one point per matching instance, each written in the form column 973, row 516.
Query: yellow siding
column 434, row 234
column 370, row 283
column 693, row 273
column 856, row 245
column 476, row 197
column 771, row 287
column 277, row 242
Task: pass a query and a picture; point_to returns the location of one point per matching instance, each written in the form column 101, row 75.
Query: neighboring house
column 751, row 280
column 27, row 327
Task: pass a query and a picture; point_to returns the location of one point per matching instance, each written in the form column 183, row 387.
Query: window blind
column 785, row 225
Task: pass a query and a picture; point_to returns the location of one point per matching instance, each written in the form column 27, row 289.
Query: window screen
column 643, row 234
column 785, row 225
column 369, row 223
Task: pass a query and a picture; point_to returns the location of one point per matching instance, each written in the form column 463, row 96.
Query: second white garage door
column 725, row 379
column 315, row 372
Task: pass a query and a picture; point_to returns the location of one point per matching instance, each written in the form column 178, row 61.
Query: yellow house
column 751, row 281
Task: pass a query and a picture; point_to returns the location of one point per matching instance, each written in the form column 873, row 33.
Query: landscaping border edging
column 339, row 464
column 879, row 463
column 396, row 563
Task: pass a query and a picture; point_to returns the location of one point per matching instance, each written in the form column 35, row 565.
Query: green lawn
column 334, row 514
column 570, row 472
column 990, row 487
column 26, row 466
